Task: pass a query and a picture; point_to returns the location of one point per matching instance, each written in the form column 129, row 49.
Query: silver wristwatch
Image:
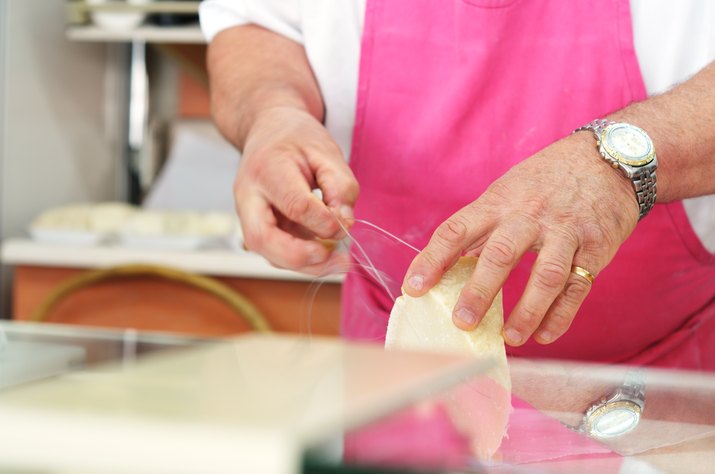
column 619, row 413
column 630, row 149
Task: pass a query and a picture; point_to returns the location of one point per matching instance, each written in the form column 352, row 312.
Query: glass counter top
column 675, row 433
column 113, row 401
column 31, row 351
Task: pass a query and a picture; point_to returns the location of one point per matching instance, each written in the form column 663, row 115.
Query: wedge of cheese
column 480, row 408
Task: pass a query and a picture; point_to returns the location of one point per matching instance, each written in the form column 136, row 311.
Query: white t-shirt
column 673, row 41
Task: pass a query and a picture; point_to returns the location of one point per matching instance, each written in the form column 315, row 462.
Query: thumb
column 339, row 187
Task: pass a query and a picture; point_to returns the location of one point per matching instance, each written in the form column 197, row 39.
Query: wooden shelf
column 289, row 301
column 151, row 34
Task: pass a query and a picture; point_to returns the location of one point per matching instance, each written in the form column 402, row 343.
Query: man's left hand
column 565, row 203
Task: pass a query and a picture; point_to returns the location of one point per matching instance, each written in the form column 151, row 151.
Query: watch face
column 615, row 419
column 628, row 144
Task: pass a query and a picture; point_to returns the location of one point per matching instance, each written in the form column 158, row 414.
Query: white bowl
column 117, row 21
column 77, row 238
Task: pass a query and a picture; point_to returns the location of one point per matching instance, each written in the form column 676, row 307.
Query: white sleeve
column 673, row 40
column 280, row 16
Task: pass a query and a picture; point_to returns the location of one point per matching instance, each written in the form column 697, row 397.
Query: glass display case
column 128, row 402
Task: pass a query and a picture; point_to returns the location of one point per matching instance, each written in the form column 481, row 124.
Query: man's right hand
column 266, row 101
column 287, row 154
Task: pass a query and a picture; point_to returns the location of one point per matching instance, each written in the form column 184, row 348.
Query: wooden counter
column 291, row 302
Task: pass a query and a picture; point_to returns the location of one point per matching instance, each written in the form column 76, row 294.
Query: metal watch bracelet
column 643, row 180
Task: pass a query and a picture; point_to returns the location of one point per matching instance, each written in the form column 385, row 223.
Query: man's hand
column 566, row 204
column 287, row 154
column 265, row 100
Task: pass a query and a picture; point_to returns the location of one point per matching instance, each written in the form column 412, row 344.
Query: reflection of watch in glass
column 631, row 150
column 619, row 413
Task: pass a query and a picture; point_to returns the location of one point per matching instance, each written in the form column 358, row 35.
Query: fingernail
column 513, row 336
column 416, row 282
column 346, row 212
column 546, row 336
column 467, row 317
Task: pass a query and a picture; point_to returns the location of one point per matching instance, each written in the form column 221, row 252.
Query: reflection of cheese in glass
column 480, row 408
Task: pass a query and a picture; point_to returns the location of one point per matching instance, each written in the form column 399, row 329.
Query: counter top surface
column 154, row 34
column 254, row 403
column 216, row 262
column 251, row 404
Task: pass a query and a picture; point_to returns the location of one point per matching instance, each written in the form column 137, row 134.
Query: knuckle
column 534, row 206
column 561, row 318
column 529, row 221
column 576, row 290
column 500, row 251
column 478, row 294
column 343, row 182
column 550, row 275
column 296, row 206
column 593, row 236
column 453, row 231
column 499, row 190
column 559, row 321
column 568, row 235
column 433, row 261
column 527, row 317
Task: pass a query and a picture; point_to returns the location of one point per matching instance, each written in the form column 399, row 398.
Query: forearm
column 681, row 123
column 677, row 407
column 253, row 69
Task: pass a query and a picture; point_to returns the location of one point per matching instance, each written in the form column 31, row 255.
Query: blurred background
column 116, row 188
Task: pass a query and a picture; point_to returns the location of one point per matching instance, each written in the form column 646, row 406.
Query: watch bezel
column 619, row 157
column 598, row 411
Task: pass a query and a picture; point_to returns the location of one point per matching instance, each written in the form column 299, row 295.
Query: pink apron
column 453, row 93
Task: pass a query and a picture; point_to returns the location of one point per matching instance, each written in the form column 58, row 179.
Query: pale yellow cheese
column 425, row 323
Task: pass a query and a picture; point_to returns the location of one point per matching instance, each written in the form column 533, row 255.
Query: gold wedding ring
column 582, row 272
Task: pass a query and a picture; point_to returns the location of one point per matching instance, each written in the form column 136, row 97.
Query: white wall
column 54, row 143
